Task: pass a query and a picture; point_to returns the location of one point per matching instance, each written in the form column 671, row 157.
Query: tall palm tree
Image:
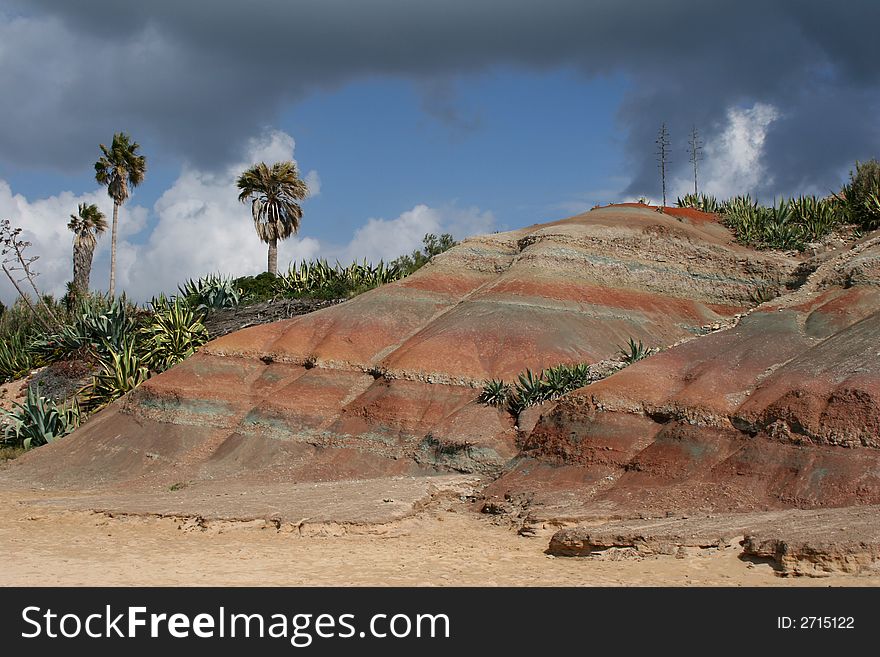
column 120, row 168
column 276, row 212
column 86, row 225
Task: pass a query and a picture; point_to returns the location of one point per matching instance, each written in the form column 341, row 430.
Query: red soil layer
column 691, row 214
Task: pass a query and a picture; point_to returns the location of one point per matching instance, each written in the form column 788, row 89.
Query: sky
column 407, row 117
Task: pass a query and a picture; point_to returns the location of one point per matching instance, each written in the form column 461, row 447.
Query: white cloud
column 271, row 146
column 45, row 225
column 732, row 163
column 199, row 226
column 385, row 239
column 313, row 180
column 202, row 227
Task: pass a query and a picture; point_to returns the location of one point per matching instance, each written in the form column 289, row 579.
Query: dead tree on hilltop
column 10, row 244
column 663, row 156
column 695, row 151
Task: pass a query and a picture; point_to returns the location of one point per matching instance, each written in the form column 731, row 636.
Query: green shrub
column 860, row 197
column 38, row 421
column 264, row 287
column 19, row 318
column 431, row 245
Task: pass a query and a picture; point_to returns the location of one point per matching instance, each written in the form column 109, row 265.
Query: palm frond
column 274, row 193
column 120, row 167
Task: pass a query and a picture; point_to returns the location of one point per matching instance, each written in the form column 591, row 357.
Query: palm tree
column 275, row 209
column 120, row 168
column 86, row 225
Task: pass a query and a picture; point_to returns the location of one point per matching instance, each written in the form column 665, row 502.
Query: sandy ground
column 447, row 545
column 12, row 392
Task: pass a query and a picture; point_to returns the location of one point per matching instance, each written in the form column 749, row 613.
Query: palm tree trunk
column 82, row 265
column 88, row 257
column 113, row 251
column 77, row 275
column 273, row 256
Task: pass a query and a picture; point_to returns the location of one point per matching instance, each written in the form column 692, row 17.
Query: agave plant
column 121, row 371
column 562, row 379
column 530, row 389
column 818, row 217
column 872, row 210
column 211, row 292
column 38, row 421
column 16, row 357
column 743, row 217
column 494, row 393
column 516, row 403
column 704, row 202
column 173, row 334
column 779, row 230
column 96, row 329
column 557, row 381
column 319, row 278
column 633, row 352
column 763, row 294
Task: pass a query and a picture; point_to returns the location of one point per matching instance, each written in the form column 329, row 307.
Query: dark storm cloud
column 200, row 76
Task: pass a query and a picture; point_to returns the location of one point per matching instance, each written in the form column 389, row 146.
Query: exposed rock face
column 781, row 411
column 385, row 384
column 796, row 542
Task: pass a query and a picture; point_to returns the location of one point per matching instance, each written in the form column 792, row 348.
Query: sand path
column 445, row 545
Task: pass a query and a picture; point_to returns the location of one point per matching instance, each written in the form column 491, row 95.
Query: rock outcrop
column 795, row 542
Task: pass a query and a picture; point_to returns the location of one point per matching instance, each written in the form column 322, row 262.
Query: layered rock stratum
column 744, row 409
